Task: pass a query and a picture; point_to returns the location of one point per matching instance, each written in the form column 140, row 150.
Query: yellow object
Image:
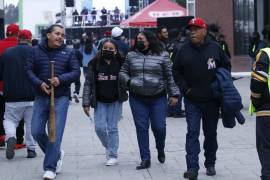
column 251, row 107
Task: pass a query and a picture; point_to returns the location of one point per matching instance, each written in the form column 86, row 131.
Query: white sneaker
column 48, row 175
column 112, row 162
column 60, row 161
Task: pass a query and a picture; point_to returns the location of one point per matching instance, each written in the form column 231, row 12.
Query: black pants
column 77, row 86
column 263, row 145
column 20, row 128
column 2, row 110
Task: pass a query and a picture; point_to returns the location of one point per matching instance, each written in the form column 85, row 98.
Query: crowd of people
column 96, row 17
column 163, row 74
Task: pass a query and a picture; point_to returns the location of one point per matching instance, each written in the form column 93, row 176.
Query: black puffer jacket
column 89, row 89
column 148, row 75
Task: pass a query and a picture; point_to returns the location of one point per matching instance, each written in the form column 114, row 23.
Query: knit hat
column 116, row 32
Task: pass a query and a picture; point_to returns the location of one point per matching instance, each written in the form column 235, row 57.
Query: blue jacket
column 67, row 68
column 230, row 99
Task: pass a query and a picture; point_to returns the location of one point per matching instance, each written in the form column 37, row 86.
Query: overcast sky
column 11, row 1
column 109, row 4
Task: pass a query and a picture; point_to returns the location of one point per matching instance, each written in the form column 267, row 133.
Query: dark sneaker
column 144, row 165
column 2, row 144
column 210, row 171
column 191, row 174
column 76, row 98
column 161, row 157
column 11, row 142
column 180, row 115
column 169, row 115
column 31, row 153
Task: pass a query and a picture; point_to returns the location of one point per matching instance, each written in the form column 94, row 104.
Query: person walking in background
column 175, row 43
column 224, row 46
column 147, row 74
column 213, row 31
column 103, row 93
column 67, row 70
column 89, row 51
column 77, row 83
column 194, row 71
column 18, row 93
column 260, row 100
column 122, row 46
column 11, row 40
column 163, row 37
column 256, row 45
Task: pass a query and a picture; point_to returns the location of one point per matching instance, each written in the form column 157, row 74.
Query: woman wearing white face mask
column 101, row 92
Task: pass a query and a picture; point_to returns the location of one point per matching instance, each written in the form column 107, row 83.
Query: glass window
column 1, row 4
column 191, row 7
column 244, row 25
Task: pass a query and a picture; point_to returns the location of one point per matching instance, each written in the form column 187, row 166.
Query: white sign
column 175, row 13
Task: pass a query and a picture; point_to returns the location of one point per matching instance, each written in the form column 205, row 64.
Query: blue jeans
column 41, row 112
column 106, row 117
column 144, row 111
column 209, row 113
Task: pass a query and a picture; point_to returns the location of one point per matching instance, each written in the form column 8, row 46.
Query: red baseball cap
column 108, row 33
column 199, row 22
column 12, row 29
column 25, row 34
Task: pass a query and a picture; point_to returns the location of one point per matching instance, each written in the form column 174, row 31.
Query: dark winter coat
column 90, row 89
column 66, row 67
column 17, row 87
column 230, row 99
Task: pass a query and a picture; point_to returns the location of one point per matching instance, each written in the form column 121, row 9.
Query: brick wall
column 220, row 12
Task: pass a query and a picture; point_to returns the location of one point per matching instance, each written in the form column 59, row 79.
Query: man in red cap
column 11, row 40
column 194, row 71
column 18, row 93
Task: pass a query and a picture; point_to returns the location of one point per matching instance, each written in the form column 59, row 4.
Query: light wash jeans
column 106, row 117
column 40, row 119
column 14, row 113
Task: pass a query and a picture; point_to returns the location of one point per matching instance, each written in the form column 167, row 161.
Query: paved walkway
column 236, row 159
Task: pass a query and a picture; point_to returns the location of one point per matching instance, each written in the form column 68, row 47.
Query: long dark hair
column 99, row 57
column 154, row 46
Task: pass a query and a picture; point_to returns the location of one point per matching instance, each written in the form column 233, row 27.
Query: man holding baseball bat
column 51, row 67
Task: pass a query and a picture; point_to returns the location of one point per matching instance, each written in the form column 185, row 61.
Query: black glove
column 256, row 102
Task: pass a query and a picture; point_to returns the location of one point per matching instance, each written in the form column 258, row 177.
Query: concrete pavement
column 85, row 157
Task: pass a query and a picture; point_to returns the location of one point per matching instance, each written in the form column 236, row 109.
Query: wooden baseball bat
column 52, row 131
